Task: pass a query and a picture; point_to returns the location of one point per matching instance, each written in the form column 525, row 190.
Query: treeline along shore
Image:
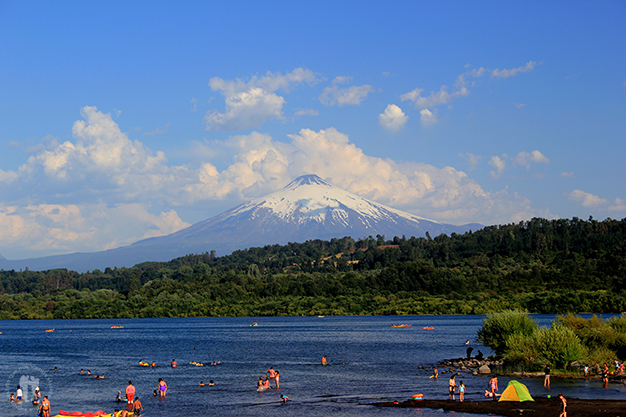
column 541, row 266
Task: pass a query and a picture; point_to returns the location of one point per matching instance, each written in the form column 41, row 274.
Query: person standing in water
column 324, row 360
column 137, row 407
column 162, row 387
column 451, row 387
column 174, row 364
column 45, row 407
column 546, row 379
column 461, row 391
column 277, row 379
column 493, row 384
column 435, row 373
column 130, row 392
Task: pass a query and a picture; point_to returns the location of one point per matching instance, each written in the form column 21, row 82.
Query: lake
column 369, row 361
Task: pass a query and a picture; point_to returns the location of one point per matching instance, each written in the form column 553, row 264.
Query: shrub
column 498, row 327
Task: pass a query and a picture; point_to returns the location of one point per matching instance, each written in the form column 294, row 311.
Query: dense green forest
column 542, row 266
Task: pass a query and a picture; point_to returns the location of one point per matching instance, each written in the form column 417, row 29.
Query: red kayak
column 79, row 414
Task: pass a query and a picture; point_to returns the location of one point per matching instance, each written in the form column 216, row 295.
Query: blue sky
column 125, row 120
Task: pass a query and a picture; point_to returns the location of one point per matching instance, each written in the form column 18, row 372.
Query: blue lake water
column 369, row 361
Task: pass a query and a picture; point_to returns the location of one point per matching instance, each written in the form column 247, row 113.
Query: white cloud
column 109, row 190
column 499, row 164
column 526, row 159
column 393, row 118
column 306, row 112
column 158, row 130
column 519, row 105
column 435, row 98
column 43, row 229
column 472, row 159
column 250, row 104
column 506, row 73
column 427, row 117
column 7, row 176
column 344, row 96
column 587, row 199
column 567, row 174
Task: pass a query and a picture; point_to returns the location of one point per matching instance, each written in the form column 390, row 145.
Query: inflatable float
column 418, row 397
column 49, row 330
column 117, row 327
column 401, row 325
column 79, row 414
column 428, row 328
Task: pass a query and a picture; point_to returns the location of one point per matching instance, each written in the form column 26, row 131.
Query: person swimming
column 211, row 383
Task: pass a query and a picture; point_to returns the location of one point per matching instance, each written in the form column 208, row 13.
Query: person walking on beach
column 162, row 387
column 130, row 392
column 546, row 378
column 451, row 387
column 563, row 405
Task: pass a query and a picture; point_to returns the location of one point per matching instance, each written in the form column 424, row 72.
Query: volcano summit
column 307, row 208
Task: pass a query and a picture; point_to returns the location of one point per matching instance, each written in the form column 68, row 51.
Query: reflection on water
column 369, row 361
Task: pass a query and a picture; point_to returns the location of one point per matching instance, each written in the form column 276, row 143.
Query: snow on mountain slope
column 307, row 208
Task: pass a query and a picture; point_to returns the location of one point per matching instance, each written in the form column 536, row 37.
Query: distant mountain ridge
column 307, row 208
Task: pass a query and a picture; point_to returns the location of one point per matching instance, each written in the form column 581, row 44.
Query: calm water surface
column 369, row 361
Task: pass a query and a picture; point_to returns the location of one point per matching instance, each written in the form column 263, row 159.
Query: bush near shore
column 519, row 340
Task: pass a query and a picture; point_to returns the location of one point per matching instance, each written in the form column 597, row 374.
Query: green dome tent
column 516, row 391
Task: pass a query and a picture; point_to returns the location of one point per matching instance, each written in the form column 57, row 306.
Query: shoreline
column 539, row 407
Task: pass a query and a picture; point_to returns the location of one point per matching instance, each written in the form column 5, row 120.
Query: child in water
column 119, row 397
column 461, row 391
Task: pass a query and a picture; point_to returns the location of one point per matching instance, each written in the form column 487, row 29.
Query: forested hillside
column 544, row 266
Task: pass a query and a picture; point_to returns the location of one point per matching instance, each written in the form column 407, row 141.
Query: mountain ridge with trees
column 540, row 265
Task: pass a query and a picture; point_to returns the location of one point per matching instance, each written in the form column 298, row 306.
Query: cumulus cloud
column 250, row 104
column 499, row 164
column 59, row 228
column 393, row 118
column 354, row 95
column 472, row 159
column 427, row 117
column 7, row 176
column 110, row 191
column 506, row 73
column 587, row 199
column 526, row 159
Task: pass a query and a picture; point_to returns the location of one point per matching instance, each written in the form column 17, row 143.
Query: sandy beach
column 540, row 407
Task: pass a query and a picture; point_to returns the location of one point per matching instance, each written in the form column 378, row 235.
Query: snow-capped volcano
column 307, row 208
